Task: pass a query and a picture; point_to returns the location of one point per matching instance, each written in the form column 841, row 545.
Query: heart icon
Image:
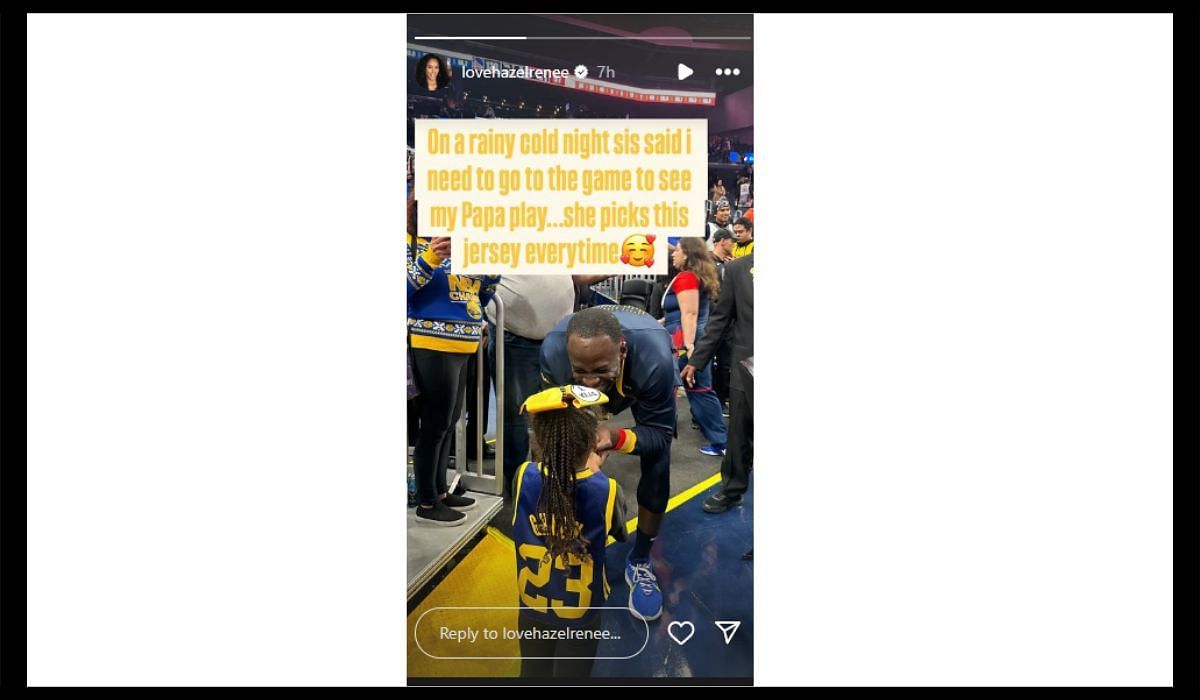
column 650, row 237
column 679, row 637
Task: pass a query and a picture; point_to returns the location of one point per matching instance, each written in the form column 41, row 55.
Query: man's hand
column 606, row 437
column 688, row 375
column 604, row 441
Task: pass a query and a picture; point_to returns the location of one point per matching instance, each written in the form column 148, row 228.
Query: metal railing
column 471, row 473
column 612, row 286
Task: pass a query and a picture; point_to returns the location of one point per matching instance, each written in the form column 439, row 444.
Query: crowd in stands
column 719, row 148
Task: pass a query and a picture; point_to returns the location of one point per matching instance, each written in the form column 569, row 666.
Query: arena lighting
column 735, row 157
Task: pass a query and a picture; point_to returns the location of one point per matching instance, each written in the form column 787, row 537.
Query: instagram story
column 580, row 261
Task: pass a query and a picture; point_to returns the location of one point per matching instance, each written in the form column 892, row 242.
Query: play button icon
column 684, row 71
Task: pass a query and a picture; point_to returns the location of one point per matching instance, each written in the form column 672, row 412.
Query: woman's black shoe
column 439, row 514
column 458, row 502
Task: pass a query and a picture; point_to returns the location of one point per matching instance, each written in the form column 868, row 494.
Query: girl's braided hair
column 565, row 439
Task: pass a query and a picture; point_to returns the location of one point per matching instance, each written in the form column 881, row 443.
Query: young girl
column 565, row 510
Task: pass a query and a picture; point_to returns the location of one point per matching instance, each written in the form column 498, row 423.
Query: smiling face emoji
column 638, row 250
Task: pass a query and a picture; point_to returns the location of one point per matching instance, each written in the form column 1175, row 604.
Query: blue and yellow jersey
column 553, row 592
column 445, row 311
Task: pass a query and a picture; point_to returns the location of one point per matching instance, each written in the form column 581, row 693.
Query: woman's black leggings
column 440, row 376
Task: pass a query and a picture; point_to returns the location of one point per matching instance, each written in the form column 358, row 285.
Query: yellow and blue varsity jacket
column 445, row 311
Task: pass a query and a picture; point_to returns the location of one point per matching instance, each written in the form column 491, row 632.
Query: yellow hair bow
column 557, row 397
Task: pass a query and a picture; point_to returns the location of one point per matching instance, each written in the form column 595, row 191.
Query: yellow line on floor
column 678, row 500
column 685, row 496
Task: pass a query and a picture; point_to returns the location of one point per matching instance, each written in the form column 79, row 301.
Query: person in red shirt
column 686, row 305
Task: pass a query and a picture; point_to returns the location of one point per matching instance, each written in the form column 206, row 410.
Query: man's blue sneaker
column 645, row 597
column 713, row 450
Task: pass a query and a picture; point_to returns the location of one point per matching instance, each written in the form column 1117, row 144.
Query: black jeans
column 440, row 376
column 558, row 666
column 739, row 453
column 720, row 371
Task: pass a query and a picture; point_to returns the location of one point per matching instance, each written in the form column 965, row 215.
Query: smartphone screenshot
column 580, row 277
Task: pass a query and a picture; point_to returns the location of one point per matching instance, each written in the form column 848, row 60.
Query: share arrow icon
column 728, row 628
